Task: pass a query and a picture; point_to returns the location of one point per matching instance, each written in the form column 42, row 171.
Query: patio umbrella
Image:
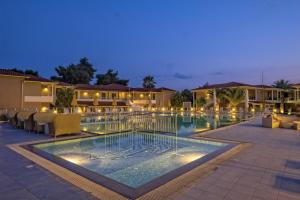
column 95, row 102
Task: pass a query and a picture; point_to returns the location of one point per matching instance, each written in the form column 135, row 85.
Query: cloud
column 182, row 76
column 218, row 74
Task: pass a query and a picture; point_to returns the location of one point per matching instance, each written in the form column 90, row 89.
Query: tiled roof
column 262, row 86
column 118, row 87
column 7, row 72
column 110, row 87
column 101, row 103
column 150, row 89
column 27, row 77
column 37, row 78
column 224, row 85
column 64, row 84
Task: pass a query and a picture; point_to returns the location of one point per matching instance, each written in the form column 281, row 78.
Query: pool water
column 184, row 125
column 132, row 158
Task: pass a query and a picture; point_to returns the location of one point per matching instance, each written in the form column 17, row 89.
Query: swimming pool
column 183, row 125
column 131, row 163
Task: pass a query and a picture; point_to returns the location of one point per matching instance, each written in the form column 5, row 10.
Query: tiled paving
column 20, row 179
column 268, row 170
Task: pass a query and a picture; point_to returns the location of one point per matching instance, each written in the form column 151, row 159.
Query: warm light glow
column 45, row 90
column 99, row 110
column 233, row 116
column 153, row 109
column 55, row 111
column 143, row 109
column 192, row 109
column 207, row 124
column 129, row 95
column 281, row 111
column 99, row 118
column 190, row 157
column 275, row 110
column 141, row 95
column 97, row 94
column 181, row 109
column 163, row 109
column 252, row 110
column 201, row 109
column 217, row 109
column 79, row 110
column 289, row 113
column 44, row 109
column 192, row 114
column 172, row 109
column 85, row 94
column 130, row 109
column 84, row 129
column 233, row 109
column 181, row 113
column 76, row 159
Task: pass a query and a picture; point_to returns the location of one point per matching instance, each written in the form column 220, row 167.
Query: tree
column 187, row 95
column 64, row 97
column 177, row 100
column 234, row 96
column 282, row 84
column 149, row 82
column 110, row 77
column 200, row 102
column 81, row 73
column 286, row 86
column 26, row 72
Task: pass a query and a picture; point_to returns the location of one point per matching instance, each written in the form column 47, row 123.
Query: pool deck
column 267, row 170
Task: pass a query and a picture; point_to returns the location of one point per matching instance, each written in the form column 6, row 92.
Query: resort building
column 20, row 91
column 25, row 91
column 116, row 95
column 255, row 95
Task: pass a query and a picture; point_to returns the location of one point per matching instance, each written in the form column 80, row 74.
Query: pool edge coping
column 103, row 192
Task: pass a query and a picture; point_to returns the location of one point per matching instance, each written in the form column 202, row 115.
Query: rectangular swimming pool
column 131, row 163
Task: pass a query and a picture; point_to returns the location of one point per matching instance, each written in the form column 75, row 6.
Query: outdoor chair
column 44, row 122
column 25, row 120
column 270, row 122
column 12, row 117
column 66, row 124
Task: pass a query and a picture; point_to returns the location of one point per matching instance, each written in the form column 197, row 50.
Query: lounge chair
column 44, row 122
column 12, row 117
column 270, row 122
column 25, row 120
column 65, row 124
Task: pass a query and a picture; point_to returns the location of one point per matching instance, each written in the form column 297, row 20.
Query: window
column 153, row 96
column 103, row 95
column 113, row 95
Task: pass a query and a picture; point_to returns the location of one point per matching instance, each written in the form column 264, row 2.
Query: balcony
column 143, row 101
column 38, row 99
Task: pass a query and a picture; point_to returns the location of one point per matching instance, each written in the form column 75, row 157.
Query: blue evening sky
column 182, row 43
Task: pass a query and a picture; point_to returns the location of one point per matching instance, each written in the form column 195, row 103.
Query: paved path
column 20, row 179
column 269, row 170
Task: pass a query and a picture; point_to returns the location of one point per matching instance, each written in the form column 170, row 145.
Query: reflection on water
column 183, row 124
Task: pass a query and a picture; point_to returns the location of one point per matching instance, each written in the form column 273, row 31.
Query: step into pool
column 131, row 163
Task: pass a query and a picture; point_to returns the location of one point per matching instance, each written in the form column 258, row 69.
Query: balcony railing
column 39, row 99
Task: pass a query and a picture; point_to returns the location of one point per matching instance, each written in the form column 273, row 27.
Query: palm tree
column 282, row 84
column 148, row 82
column 286, row 86
column 234, row 96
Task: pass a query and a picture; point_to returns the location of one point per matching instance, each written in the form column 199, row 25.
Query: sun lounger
column 25, row 120
column 12, row 117
column 66, row 124
column 44, row 122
